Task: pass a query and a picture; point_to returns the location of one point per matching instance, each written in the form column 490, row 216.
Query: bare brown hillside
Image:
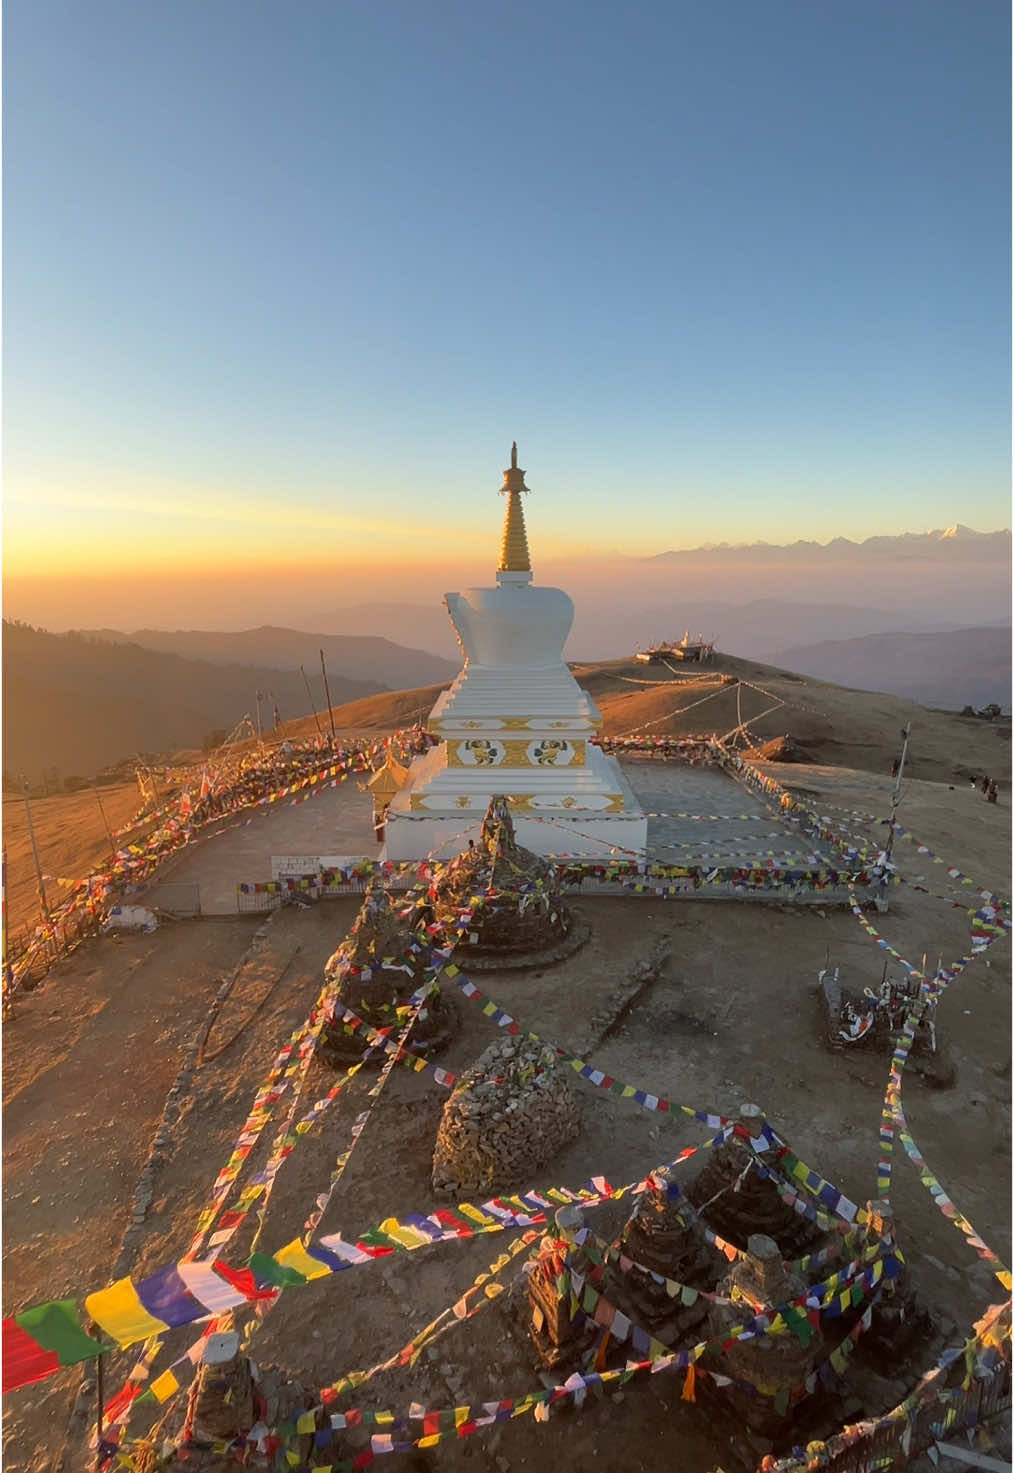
column 833, row 725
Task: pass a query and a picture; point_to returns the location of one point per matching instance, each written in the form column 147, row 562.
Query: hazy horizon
column 942, row 586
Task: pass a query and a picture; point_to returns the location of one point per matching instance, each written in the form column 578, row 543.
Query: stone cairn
column 224, row 1403
column 509, row 1114
column 383, row 964
column 664, row 1235
column 738, row 1201
column 900, row 1325
column 774, row 1366
column 523, row 918
column 559, row 1337
column 230, row 1400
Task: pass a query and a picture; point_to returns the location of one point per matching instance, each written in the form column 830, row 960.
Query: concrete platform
column 338, row 821
column 735, row 829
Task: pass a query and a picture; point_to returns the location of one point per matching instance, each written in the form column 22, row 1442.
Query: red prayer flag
column 23, row 1359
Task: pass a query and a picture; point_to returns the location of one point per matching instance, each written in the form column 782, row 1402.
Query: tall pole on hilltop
column 105, row 821
column 257, row 696
column 327, row 692
column 274, row 707
column 309, row 695
column 906, row 732
column 7, row 970
column 43, row 902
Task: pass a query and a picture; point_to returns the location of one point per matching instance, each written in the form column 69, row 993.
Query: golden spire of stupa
column 514, row 556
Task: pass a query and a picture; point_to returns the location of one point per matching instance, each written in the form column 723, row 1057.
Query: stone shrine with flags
column 515, row 722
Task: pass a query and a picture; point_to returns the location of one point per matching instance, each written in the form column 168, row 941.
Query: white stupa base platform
column 565, row 832
column 588, row 811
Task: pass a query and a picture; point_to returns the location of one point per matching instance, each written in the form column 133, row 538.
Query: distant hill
column 751, row 628
column 352, row 656
column 948, row 544
column 427, row 624
column 832, row 725
column 78, row 703
column 961, row 667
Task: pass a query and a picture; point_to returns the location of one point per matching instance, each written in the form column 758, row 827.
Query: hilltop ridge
column 832, row 724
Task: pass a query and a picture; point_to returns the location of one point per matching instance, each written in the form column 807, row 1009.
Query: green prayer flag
column 57, row 1328
column 798, row 1324
column 278, row 1274
column 376, row 1239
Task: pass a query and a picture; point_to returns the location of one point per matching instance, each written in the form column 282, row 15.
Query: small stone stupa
column 515, row 721
column 738, row 1198
column 383, row 964
column 664, row 1236
column 521, row 916
column 768, row 1373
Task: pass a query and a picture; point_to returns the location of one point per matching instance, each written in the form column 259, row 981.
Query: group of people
column 987, row 786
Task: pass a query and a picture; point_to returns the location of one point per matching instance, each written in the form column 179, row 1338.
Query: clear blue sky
column 726, row 269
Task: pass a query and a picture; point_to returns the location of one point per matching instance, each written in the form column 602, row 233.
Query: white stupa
column 515, row 722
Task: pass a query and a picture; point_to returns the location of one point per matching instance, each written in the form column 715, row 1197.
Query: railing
column 891, row 1441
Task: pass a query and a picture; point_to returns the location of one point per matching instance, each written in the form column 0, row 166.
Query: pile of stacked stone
column 381, row 963
column 521, row 914
column 560, row 1337
column 234, row 1402
column 664, row 1237
column 510, row 1113
column 738, row 1199
column 899, row 1325
column 767, row 1373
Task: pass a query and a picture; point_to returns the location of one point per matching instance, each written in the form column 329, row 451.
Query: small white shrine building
column 515, row 722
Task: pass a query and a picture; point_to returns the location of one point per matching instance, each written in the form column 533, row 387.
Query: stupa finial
column 514, row 556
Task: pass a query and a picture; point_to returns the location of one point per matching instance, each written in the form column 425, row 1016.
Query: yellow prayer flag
column 119, row 1312
column 293, row 1255
column 164, row 1386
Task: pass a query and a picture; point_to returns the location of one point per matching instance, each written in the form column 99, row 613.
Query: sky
column 284, row 281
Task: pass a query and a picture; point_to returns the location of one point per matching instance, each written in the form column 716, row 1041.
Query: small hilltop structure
column 514, row 722
column 692, row 649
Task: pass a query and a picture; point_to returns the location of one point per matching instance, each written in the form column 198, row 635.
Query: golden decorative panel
column 491, row 752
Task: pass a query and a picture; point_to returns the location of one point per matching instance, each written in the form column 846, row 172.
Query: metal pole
column 257, row 696
column 43, row 902
column 7, row 969
column 100, row 1398
column 896, row 795
column 105, row 821
column 327, row 692
column 309, row 694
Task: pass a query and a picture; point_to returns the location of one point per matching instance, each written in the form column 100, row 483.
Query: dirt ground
column 91, row 1054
